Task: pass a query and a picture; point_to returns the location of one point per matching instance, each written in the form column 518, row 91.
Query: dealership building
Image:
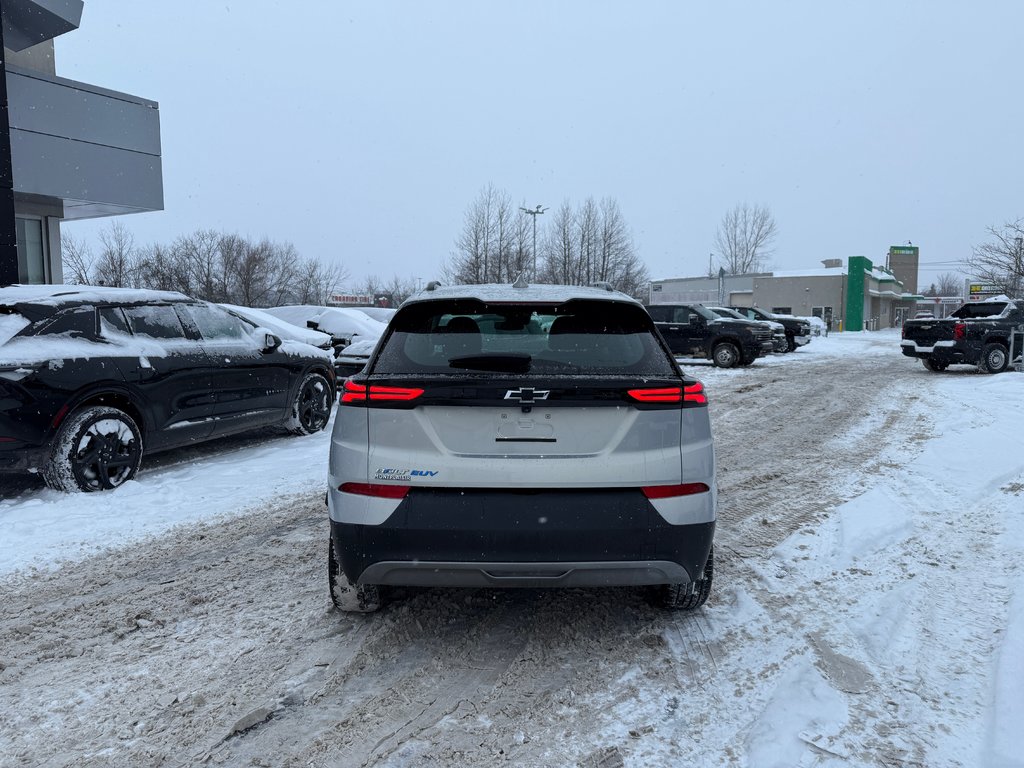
column 852, row 296
column 68, row 150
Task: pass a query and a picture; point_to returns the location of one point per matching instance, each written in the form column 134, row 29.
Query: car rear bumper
column 942, row 352
column 558, row 538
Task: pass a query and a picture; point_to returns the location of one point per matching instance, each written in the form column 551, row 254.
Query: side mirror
column 268, row 341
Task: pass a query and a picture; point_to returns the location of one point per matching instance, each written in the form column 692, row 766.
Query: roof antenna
column 521, row 281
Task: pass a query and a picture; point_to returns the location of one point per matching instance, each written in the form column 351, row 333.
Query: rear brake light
column 959, row 331
column 394, row 393
column 354, row 392
column 695, row 394
column 662, row 395
column 375, row 489
column 6, row 439
column 668, row 491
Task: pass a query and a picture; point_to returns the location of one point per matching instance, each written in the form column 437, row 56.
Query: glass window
column 660, row 314
column 31, row 251
column 112, row 320
column 590, row 337
column 215, row 324
column 77, row 322
column 158, row 321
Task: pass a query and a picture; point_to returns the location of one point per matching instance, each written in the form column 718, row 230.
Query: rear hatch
column 468, row 394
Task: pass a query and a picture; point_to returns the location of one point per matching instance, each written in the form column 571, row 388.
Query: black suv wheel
column 96, row 449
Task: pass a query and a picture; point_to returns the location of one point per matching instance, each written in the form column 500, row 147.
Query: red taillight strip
column 668, row 491
column 662, row 395
column 394, row 393
column 375, row 489
column 959, row 331
column 354, row 392
column 694, row 393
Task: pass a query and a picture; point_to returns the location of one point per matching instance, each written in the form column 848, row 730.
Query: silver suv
column 523, row 436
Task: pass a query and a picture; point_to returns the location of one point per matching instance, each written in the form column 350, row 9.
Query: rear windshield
column 981, row 309
column 577, row 337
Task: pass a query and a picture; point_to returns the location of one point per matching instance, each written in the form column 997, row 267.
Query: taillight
column 668, row 491
column 959, row 331
column 375, row 489
column 695, row 394
column 661, row 395
column 353, row 392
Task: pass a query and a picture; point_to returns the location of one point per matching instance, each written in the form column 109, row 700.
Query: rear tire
column 725, row 355
column 933, row 365
column 311, row 409
column 97, row 448
column 994, row 358
column 688, row 597
column 346, row 596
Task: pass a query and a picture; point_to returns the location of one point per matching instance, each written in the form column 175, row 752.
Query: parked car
column 778, row 330
column 798, row 330
column 978, row 333
column 522, row 436
column 345, row 325
column 353, row 358
column 91, row 379
column 264, row 319
column 693, row 330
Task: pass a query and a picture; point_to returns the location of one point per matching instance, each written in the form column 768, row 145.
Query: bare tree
column 117, row 263
column 744, row 239
column 494, row 245
column 950, row 284
column 315, row 281
column 593, row 244
column 77, row 259
column 1000, row 261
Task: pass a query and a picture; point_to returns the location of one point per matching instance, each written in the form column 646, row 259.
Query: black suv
column 693, row 330
column 90, row 378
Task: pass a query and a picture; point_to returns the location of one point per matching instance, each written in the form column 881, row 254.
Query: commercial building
column 854, row 296
column 68, row 150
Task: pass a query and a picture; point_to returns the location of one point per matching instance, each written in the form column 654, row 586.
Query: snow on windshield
column 10, row 326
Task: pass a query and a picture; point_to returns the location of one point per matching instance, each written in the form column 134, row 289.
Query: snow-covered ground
column 868, row 607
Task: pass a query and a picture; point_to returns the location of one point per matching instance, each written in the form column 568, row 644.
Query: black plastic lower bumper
column 471, row 536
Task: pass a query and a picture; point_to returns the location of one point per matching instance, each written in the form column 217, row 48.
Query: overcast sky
column 361, row 132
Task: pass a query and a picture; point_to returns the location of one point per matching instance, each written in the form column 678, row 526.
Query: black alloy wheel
column 312, row 408
column 96, row 449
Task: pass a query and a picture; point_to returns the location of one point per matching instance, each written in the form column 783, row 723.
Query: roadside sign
column 978, row 291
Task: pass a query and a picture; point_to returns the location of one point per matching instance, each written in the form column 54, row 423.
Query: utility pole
column 534, row 213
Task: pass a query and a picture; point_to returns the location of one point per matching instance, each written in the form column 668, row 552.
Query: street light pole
column 534, row 213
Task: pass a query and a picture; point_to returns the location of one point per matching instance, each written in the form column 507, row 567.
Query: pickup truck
column 693, row 330
column 978, row 334
column 798, row 330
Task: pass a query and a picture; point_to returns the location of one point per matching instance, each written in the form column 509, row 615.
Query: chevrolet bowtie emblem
column 527, row 395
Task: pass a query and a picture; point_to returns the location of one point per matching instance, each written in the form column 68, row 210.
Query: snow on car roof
column 282, row 328
column 55, row 295
column 338, row 321
column 544, row 293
